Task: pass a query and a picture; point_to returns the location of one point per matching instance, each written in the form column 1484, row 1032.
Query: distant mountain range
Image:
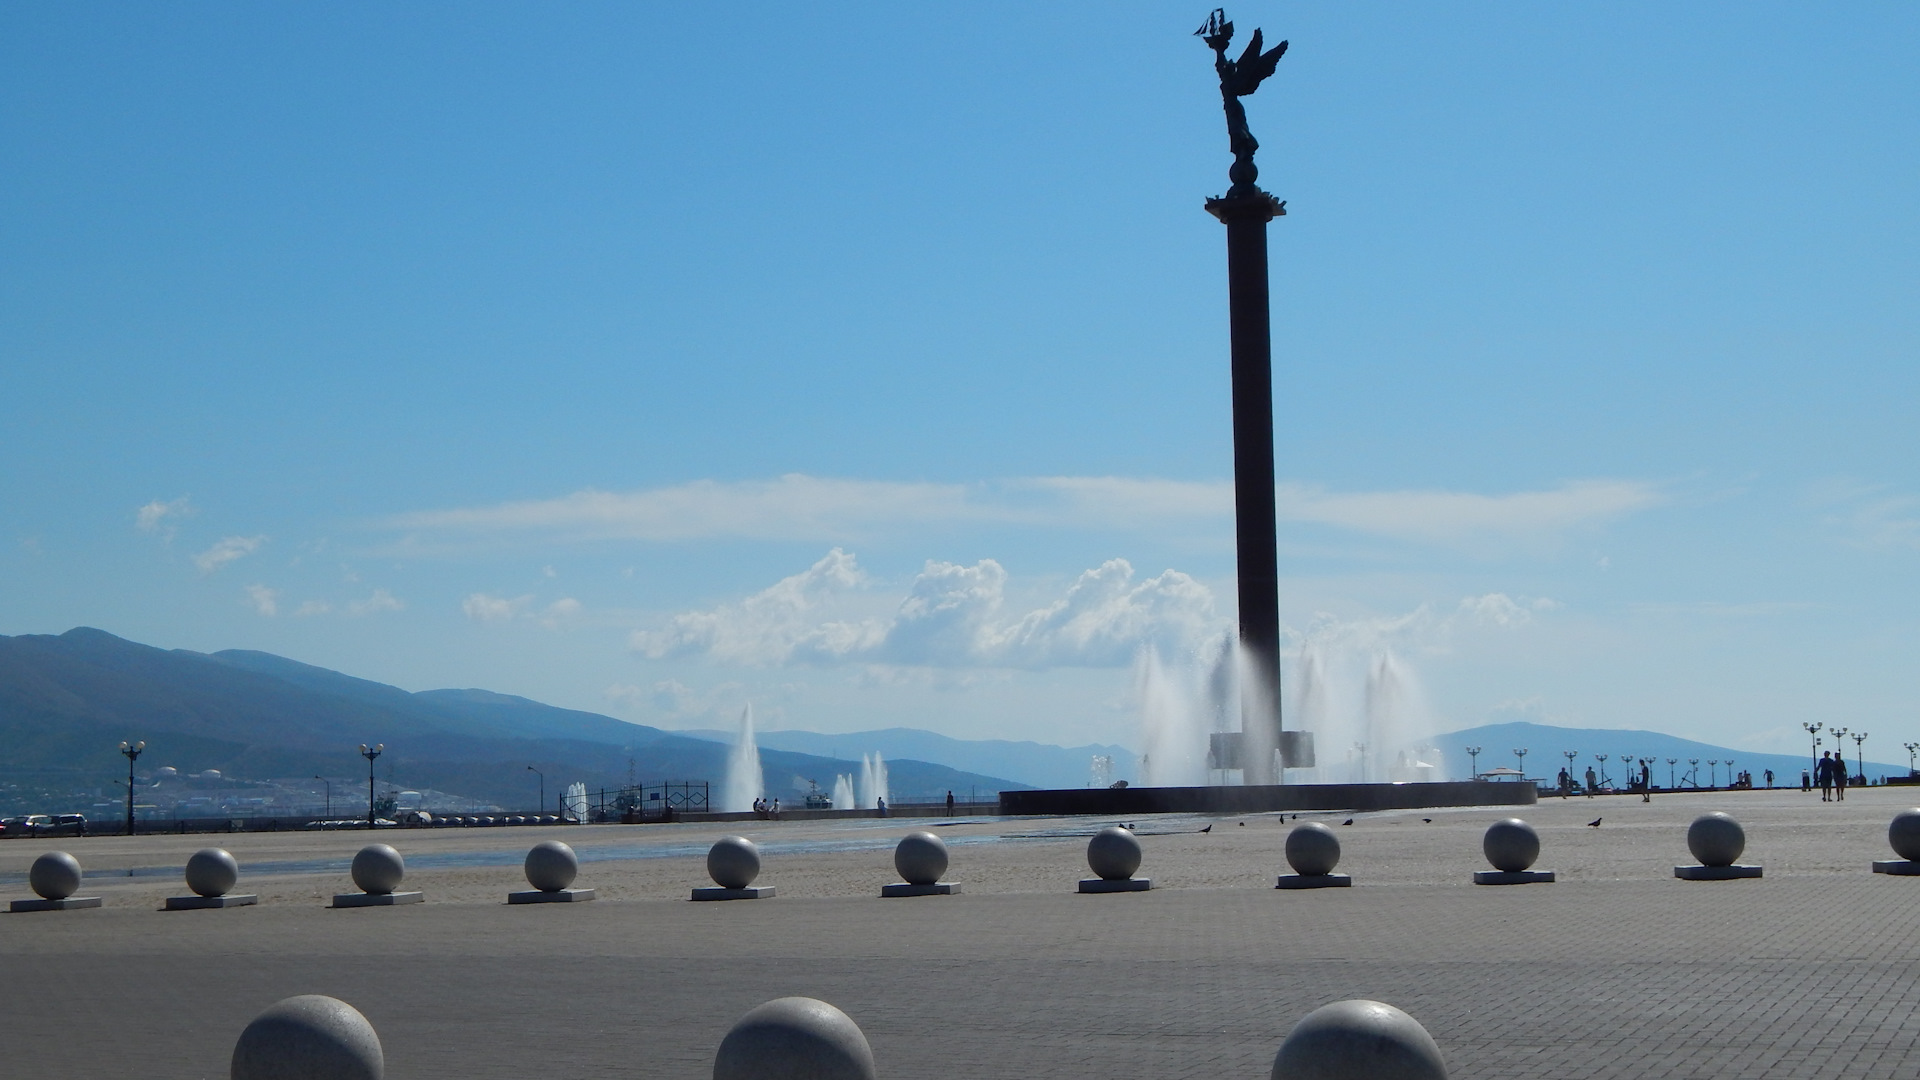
column 67, row 701
column 1546, row 748
column 1031, row 763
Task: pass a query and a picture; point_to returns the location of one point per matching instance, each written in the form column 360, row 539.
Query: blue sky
column 870, row 364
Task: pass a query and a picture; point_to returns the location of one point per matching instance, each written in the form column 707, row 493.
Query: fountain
column 843, row 792
column 745, row 783
column 873, row 781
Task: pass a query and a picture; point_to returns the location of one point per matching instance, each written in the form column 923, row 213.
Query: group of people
column 766, row 809
column 1831, row 776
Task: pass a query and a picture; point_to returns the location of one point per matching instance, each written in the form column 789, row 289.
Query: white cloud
column 950, row 617
column 265, row 601
column 381, row 600
column 227, row 550
column 482, row 608
column 561, row 611
column 160, row 517
column 806, row 508
column 312, row 607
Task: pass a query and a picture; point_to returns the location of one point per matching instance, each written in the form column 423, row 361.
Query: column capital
column 1256, row 205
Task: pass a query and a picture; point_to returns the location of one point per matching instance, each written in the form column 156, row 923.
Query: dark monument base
column 556, row 896
column 937, row 888
column 1897, row 867
column 376, row 899
column 71, row 903
column 1109, row 885
column 197, row 903
column 1513, row 877
column 751, row 892
column 1715, row 873
column 1107, row 802
column 1313, row 881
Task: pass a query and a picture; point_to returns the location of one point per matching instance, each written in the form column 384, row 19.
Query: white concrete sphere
column 921, row 858
column 551, row 866
column 795, row 1037
column 1511, row 845
column 378, row 869
column 1358, row 1040
column 212, row 872
column 1312, row 849
column 55, row 875
column 733, row 862
column 310, row 1037
column 1903, row 832
column 1716, row 839
column 1114, row 853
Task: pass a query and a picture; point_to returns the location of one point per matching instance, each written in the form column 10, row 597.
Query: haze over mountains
column 67, row 701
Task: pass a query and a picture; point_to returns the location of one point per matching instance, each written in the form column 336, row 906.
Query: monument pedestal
column 751, row 892
column 68, row 904
column 1897, row 867
column 196, row 903
column 1715, row 873
column 550, row 896
column 904, row 888
column 1313, row 881
column 1111, row 885
column 1513, row 877
column 368, row 899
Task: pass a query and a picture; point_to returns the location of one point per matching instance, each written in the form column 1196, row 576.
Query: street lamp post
column 371, row 752
column 1672, row 785
column 1520, row 755
column 1570, row 755
column 1473, row 755
column 1693, row 774
column 1813, row 733
column 543, row 787
column 1713, row 773
column 1912, row 748
column 1860, row 755
column 1602, row 759
column 329, row 784
column 132, row 750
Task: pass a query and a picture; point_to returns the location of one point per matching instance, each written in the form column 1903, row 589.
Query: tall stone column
column 1245, row 212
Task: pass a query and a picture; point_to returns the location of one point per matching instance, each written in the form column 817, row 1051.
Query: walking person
column 1592, row 781
column 1840, row 778
column 1646, row 782
column 1566, row 783
column 1806, row 780
column 1769, row 779
column 1823, row 773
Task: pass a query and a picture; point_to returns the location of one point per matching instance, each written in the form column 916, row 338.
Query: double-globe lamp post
column 371, row 752
column 1860, row 755
column 1520, row 755
column 1813, row 734
column 132, row 750
column 1672, row 784
column 1912, row 749
column 1473, row 754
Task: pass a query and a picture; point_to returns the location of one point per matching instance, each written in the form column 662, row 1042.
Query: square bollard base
column 1512, row 877
column 902, row 888
column 1107, row 885
column 1313, row 881
column 195, row 903
column 751, row 892
column 370, row 899
column 1715, row 873
column 71, row 903
column 1897, row 867
column 557, row 896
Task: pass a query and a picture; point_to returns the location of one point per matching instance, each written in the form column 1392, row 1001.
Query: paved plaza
column 1616, row 970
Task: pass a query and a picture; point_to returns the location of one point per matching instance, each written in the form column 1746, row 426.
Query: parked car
column 26, row 825
column 67, row 825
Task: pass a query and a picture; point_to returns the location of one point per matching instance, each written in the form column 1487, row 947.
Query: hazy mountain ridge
column 1546, row 746
column 67, row 701
column 1041, row 765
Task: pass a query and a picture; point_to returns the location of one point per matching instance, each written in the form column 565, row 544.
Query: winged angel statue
column 1238, row 78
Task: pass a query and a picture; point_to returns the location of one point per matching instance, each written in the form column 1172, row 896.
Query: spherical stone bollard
column 921, row 858
column 733, row 862
column 1904, row 834
column 310, row 1037
column 1114, row 853
column 1716, row 839
column 551, row 866
column 1511, row 845
column 1358, row 1040
column 378, row 869
column 794, row 1037
column 1312, row 849
column 212, row 872
column 55, row 875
